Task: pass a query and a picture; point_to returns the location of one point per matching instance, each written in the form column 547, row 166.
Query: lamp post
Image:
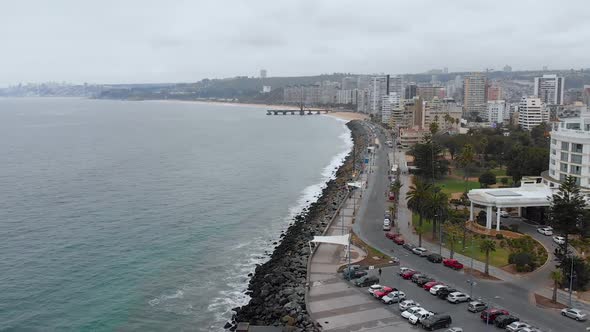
column 571, row 278
column 471, row 271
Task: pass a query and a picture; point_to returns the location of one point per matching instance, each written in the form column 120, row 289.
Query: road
column 513, row 296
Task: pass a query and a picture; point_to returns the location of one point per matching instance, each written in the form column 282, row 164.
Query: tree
column 486, row 179
column 428, row 159
column 418, row 198
column 566, row 212
column 557, row 278
column 487, row 246
column 452, row 233
column 437, row 209
column 466, row 158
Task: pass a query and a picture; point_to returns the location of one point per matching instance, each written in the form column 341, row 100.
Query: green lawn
column 499, row 171
column 477, row 172
column 498, row 258
column 450, row 185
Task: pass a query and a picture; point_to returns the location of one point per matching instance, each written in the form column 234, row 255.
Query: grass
column 477, row 172
column 498, row 258
column 450, row 185
column 498, row 171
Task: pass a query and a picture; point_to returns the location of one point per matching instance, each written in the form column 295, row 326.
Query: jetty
column 297, row 112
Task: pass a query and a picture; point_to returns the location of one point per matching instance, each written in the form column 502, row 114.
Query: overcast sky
column 124, row 41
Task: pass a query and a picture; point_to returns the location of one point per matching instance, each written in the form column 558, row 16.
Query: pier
column 295, row 112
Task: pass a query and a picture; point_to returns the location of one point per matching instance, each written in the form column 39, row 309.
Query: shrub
column 499, row 236
column 504, row 180
column 503, row 244
column 514, row 228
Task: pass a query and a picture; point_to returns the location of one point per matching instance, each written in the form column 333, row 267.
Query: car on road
column 454, row 329
column 574, row 313
column 517, row 326
column 434, row 290
column 545, row 230
column 354, row 274
column 559, row 240
column 452, row 263
column 409, row 274
column 458, row 297
column 419, row 316
column 503, row 321
column 476, row 306
column 443, row 293
column 407, row 304
column 434, row 258
column 391, row 196
column 504, row 214
column 427, row 286
column 490, row 314
column 437, row 322
column 386, row 225
column 408, row 246
column 399, row 240
column 391, row 235
column 366, row 281
column 384, row 291
column 422, row 252
column 410, row 311
column 393, row 297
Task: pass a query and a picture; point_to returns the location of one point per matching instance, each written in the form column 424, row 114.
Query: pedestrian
column 380, row 272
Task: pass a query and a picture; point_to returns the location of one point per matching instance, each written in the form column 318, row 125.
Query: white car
column 410, row 311
column 406, row 304
column 375, row 288
column 545, row 230
column 559, row 240
column 516, row 326
column 420, row 251
column 454, row 329
column 573, row 313
column 419, row 316
column 393, row 297
column 504, row 214
column 529, row 329
column 457, row 297
column 386, row 225
column 403, row 270
column 434, row 289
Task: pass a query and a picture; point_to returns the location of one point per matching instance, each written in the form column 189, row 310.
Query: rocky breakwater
column 277, row 288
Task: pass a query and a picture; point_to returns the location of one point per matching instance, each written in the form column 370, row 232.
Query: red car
column 399, row 240
column 408, row 274
column 489, row 315
column 391, row 196
column 452, row 263
column 427, row 286
column 391, row 235
column 384, row 291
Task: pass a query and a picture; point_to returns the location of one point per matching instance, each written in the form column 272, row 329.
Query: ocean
column 129, row 216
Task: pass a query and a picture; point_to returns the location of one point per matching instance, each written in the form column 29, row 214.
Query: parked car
column 443, row 293
column 376, row 287
column 545, row 230
column 517, row 326
column 409, row 274
column 417, row 275
column 574, row 313
column 503, row 321
column 391, row 196
column 408, row 246
column 434, row 258
column 387, row 215
column 384, row 291
column 454, row 329
column 490, row 314
column 437, row 322
column 504, row 214
column 403, row 269
column 354, row 274
column 391, row 235
column 559, row 240
column 410, row 311
column 366, row 281
column 532, row 329
column 407, row 304
column 457, row 297
column 393, row 297
column 476, row 306
column 427, row 286
column 434, row 290
column 386, row 225
column 399, row 240
column 423, row 281
column 452, row 263
column 422, row 252
column 419, row 316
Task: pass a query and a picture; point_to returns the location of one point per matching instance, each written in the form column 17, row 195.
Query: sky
column 130, row 41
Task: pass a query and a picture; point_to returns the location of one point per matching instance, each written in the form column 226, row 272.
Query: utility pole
column 571, row 278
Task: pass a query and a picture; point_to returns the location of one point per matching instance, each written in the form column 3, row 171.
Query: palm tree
column 452, row 234
column 487, row 246
column 418, row 200
column 437, row 210
column 466, row 158
column 557, row 278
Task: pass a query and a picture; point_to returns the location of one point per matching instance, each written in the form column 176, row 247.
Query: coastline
column 277, row 287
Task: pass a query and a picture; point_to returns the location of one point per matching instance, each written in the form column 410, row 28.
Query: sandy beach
column 349, row 116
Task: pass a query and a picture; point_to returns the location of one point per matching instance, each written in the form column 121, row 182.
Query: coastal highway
column 515, row 297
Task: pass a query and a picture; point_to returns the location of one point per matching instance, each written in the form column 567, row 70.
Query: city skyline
column 176, row 42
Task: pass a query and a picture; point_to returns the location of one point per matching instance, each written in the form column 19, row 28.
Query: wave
column 237, row 283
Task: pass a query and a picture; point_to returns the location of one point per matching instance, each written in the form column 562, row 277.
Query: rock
column 227, row 325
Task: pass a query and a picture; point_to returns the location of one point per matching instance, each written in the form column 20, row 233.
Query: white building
column 378, row 87
column 497, row 112
column 388, row 103
column 346, row 97
column 550, row 89
column 531, row 113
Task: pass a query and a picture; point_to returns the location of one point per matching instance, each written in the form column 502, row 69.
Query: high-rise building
column 346, row 97
column 497, row 112
column 429, row 92
column 349, row 83
column 410, row 91
column 262, row 73
column 550, row 88
column 586, row 95
column 378, row 87
column 396, row 85
column 531, row 113
column 362, row 101
column 474, row 94
column 494, row 92
column 444, row 112
column 389, row 102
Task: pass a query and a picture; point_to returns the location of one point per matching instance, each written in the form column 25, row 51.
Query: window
column 575, row 169
column 552, row 172
column 554, row 141
column 562, row 177
column 553, row 152
column 576, row 158
column 552, row 161
column 577, row 180
column 577, row 147
column 564, row 156
column 565, row 146
column 563, row 167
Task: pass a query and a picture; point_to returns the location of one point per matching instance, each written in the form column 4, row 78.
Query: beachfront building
column 531, row 113
column 389, row 103
column 550, row 89
column 378, row 87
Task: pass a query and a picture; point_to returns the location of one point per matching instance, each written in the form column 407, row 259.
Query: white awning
column 335, row 239
column 357, row 184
